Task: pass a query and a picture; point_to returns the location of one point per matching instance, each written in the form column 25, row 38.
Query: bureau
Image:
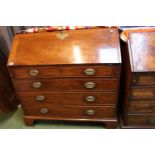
column 138, row 81
column 68, row 75
column 8, row 100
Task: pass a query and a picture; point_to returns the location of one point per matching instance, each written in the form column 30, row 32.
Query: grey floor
column 14, row 120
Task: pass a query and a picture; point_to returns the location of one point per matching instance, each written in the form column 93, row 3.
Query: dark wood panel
column 79, row 47
column 141, row 79
column 110, row 123
column 125, row 82
column 70, row 98
column 142, row 93
column 138, row 80
column 142, row 51
column 66, row 71
column 8, row 101
column 142, row 106
column 67, row 84
column 74, row 112
column 141, row 120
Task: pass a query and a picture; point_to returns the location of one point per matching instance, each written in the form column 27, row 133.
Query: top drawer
column 65, row 71
column 147, row 79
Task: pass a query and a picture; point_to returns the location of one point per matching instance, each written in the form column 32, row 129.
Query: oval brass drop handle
column 90, row 99
column 33, row 72
column 89, row 71
column 90, row 85
column 151, row 121
column 152, row 106
column 40, row 98
column 44, row 111
column 90, row 112
column 36, row 85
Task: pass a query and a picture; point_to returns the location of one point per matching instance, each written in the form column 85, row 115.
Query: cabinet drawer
column 68, row 71
column 143, row 93
column 78, row 112
column 71, row 98
column 147, row 79
column 141, row 120
column 142, row 106
column 67, row 84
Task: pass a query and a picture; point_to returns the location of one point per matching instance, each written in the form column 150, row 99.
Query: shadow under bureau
column 67, row 75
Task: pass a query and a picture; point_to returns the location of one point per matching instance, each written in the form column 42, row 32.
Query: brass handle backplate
column 44, row 111
column 90, row 112
column 90, row 98
column 89, row 71
column 33, row 72
column 90, row 85
column 40, row 98
column 134, row 80
column 151, row 121
column 152, row 106
column 36, row 85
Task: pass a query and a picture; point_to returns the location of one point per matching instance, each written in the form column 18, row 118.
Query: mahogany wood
column 74, row 112
column 67, row 84
column 68, row 98
column 61, row 68
column 93, row 46
column 66, row 71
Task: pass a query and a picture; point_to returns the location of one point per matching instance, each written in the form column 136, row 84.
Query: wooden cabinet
column 8, row 100
column 74, row 78
column 137, row 96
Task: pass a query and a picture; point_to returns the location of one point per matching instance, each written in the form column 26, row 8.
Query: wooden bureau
column 8, row 100
column 67, row 75
column 138, row 81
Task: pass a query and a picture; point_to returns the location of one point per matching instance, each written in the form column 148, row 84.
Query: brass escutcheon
column 62, row 35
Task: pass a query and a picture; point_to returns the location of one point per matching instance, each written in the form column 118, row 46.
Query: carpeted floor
column 15, row 121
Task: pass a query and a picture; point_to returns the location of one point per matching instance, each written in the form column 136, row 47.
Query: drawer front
column 142, row 106
column 143, row 93
column 144, row 80
column 67, row 84
column 141, row 120
column 75, row 71
column 83, row 99
column 79, row 112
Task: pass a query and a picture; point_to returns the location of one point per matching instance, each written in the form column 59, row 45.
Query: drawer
column 71, row 98
column 147, row 79
column 143, row 93
column 74, row 112
column 67, row 84
column 142, row 106
column 66, row 71
column 141, row 120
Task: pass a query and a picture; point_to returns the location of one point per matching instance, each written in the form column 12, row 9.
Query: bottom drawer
column 141, row 120
column 77, row 112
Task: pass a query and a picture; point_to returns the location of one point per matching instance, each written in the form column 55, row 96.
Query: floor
column 14, row 120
